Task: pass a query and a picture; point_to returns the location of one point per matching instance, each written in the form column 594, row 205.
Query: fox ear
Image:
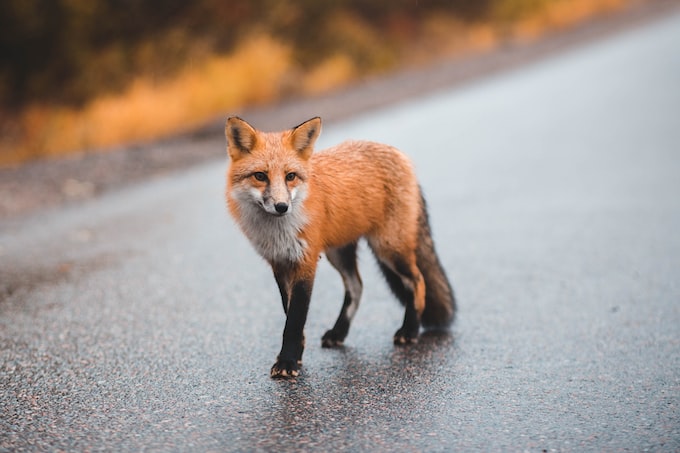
column 241, row 137
column 304, row 135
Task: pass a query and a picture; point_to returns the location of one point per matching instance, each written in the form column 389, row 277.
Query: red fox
column 293, row 204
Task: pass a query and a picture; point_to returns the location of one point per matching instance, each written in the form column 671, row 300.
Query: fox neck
column 276, row 238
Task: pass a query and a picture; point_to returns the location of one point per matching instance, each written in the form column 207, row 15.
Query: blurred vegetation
column 76, row 74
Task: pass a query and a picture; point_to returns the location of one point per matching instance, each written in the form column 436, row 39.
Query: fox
column 294, row 204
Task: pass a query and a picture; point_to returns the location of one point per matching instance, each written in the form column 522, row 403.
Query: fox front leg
column 290, row 358
column 283, row 283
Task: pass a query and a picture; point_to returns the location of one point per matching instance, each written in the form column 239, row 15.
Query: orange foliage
column 334, row 71
column 262, row 69
column 562, row 14
column 251, row 75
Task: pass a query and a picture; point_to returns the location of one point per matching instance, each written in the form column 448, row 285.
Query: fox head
column 269, row 170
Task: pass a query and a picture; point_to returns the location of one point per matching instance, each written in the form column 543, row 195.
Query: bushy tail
column 440, row 303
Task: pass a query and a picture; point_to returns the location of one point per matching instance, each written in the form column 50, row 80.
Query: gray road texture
column 142, row 320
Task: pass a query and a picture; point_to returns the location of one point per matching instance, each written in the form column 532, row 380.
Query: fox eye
column 290, row 176
column 260, row 176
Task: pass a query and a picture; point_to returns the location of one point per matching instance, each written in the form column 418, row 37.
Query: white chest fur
column 274, row 237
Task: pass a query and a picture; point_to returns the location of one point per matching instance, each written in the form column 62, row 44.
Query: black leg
column 282, row 283
column 403, row 281
column 345, row 262
column 288, row 362
column 408, row 332
column 336, row 336
column 396, row 284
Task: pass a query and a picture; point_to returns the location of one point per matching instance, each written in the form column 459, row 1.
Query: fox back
column 288, row 200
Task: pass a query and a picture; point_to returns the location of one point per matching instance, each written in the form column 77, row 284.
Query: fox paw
column 402, row 337
column 332, row 339
column 285, row 369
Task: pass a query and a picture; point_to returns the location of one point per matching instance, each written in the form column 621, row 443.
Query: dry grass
column 335, row 71
column 260, row 70
column 146, row 110
column 562, row 14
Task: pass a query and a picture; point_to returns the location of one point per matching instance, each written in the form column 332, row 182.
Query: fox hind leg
column 407, row 283
column 344, row 260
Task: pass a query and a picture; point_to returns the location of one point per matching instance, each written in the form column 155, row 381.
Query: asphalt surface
column 143, row 320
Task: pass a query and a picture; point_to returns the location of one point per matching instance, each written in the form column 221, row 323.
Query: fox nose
column 281, row 208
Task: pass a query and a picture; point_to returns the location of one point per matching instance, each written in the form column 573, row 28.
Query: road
column 143, row 320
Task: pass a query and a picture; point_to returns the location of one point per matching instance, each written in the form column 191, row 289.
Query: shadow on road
column 357, row 392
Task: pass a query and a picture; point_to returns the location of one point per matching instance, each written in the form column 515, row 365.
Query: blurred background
column 79, row 75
